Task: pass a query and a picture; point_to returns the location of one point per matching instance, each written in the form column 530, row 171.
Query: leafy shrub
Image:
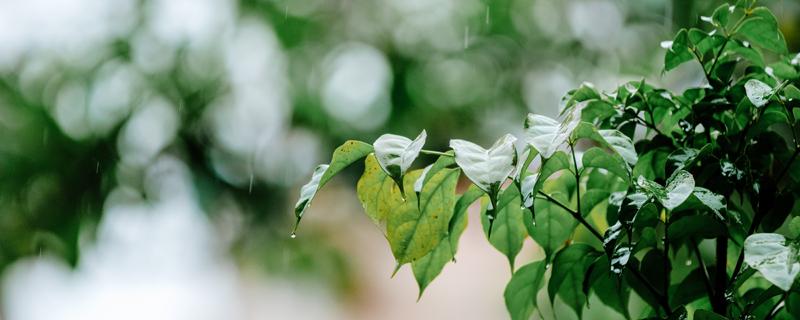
column 623, row 187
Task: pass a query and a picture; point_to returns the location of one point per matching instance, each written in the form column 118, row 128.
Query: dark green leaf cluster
column 686, row 201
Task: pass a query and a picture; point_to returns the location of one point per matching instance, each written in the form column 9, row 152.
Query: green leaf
column 307, row 193
column 690, row 289
column 429, row 171
column 486, row 168
column 553, row 226
column 620, row 143
column 757, row 92
column 460, row 209
column 520, row 293
column 720, row 16
column 761, row 28
column 773, row 257
column 746, row 52
column 377, row 192
column 651, row 165
column 782, row 69
column 345, row 155
column 412, row 232
column 711, row 200
column 569, row 267
column 395, row 154
column 508, row 229
column 678, row 50
column 597, row 158
column 792, row 92
column 427, row 268
column 701, row 314
column 679, row 187
column 606, row 287
column 557, row 162
column 696, row 226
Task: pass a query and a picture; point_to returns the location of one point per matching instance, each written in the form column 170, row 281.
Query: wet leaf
column 547, row 135
column 773, row 257
column 757, row 92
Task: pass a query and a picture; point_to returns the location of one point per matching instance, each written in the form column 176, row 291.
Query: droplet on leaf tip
column 293, row 235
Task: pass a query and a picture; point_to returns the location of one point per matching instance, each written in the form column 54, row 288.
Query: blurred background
column 151, row 151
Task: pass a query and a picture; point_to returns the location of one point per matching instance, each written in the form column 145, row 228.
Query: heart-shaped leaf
column 761, row 28
column 775, row 259
column 679, row 187
column 395, row 154
column 486, row 168
column 757, row 92
column 547, row 135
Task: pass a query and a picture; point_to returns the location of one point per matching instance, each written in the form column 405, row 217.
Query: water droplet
column 688, row 263
column 293, row 235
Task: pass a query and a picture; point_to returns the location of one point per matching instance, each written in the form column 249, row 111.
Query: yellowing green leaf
column 414, row 231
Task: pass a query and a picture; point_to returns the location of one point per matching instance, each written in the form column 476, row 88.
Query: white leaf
column 679, row 187
column 526, row 189
column 713, row 201
column 421, row 179
column 769, row 254
column 621, row 144
column 546, row 135
column 521, row 158
column 309, row 190
column 396, row 153
column 757, row 92
column 485, row 167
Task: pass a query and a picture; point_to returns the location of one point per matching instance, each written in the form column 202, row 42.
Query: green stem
column 666, row 256
column 574, row 214
column 777, row 307
column 706, row 277
column 436, row 153
column 577, row 178
column 662, row 300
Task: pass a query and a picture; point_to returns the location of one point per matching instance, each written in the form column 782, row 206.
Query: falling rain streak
column 466, row 37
